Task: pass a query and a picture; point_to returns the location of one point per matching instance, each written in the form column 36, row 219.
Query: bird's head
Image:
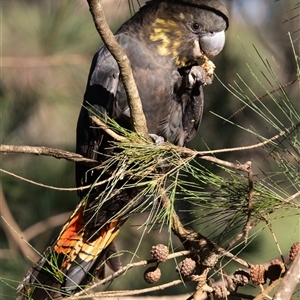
column 188, row 30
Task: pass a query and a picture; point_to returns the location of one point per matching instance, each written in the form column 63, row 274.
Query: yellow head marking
column 163, row 51
column 162, row 29
column 176, row 44
column 168, row 35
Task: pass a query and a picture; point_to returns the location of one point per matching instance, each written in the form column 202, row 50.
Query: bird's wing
column 99, row 98
column 100, row 92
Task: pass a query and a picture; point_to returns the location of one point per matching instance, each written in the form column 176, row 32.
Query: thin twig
column 289, row 199
column 274, row 237
column 228, row 254
column 250, row 202
column 109, row 131
column 227, row 164
column 54, row 187
column 241, row 235
column 127, row 292
column 264, row 294
column 258, row 145
column 40, row 184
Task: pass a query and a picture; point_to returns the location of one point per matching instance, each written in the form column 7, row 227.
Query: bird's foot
column 201, row 74
column 157, row 139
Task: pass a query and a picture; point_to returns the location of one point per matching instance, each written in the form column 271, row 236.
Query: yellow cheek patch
column 169, row 35
column 161, row 23
column 176, row 44
column 163, row 51
column 159, row 36
column 177, row 33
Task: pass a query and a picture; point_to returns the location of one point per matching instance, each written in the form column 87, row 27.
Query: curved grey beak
column 212, row 43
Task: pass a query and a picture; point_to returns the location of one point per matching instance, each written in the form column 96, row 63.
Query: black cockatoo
column 164, row 41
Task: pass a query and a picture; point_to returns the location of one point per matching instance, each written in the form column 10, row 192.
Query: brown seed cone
column 187, row 267
column 275, row 269
column 258, row 274
column 220, row 292
column 152, row 274
column 160, row 252
column 294, row 251
column 240, row 277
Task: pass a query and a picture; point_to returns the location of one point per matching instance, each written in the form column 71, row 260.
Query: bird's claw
column 201, row 74
column 157, row 139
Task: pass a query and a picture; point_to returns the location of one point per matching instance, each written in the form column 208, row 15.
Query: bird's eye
column 195, row 26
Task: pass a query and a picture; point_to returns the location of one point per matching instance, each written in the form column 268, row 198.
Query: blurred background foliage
column 46, row 50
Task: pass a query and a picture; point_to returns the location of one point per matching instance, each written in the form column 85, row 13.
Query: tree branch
column 57, row 153
column 134, row 102
column 289, row 281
